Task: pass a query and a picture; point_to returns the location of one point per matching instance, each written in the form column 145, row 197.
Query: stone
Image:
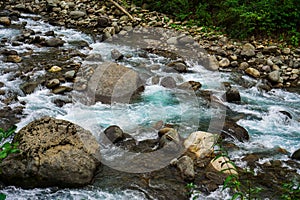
column 112, row 82
column 55, row 69
column 70, row 74
column 77, row 14
column 116, row 55
column 190, row 86
column 54, row 42
column 5, row 21
column 114, row 133
column 224, row 62
column 61, row 90
column 234, row 131
column 270, row 62
column 274, row 76
column 232, row 95
column 103, row 21
column 252, row 72
column 270, row 49
column 296, row 155
column 178, row 66
column 186, row 167
column 14, row 59
column 52, row 83
column 186, row 40
column 28, row 87
column 286, row 51
column 170, row 140
column 54, row 153
column 213, row 64
column 248, row 50
column 200, row 143
column 168, row 82
column 243, row 65
column 222, row 164
column 94, row 58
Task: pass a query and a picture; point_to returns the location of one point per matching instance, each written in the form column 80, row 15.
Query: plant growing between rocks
column 7, row 148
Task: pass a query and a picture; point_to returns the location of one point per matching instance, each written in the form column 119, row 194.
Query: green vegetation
column 237, row 18
column 291, row 190
column 7, row 148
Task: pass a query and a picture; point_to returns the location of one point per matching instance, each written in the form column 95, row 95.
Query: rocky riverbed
column 63, row 69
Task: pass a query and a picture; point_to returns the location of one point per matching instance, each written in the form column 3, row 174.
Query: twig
column 122, row 9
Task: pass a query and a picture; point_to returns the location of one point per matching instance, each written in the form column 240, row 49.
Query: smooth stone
column 14, row 59
column 55, row 69
column 6, row 21
column 248, row 50
column 213, row 64
column 54, row 42
column 224, row 62
column 168, row 82
column 274, row 76
column 61, row 90
column 252, row 72
column 70, row 74
column 77, row 14
column 200, row 143
column 232, row 95
column 178, row 66
column 53, row 83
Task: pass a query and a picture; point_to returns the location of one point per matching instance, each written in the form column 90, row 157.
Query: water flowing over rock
column 53, row 153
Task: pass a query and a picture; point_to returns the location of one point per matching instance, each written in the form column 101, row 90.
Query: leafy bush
column 238, row 18
column 7, row 148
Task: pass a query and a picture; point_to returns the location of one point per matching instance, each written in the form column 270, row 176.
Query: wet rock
column 14, row 59
column 248, row 50
column 52, row 83
column 53, row 153
column 296, row 155
column 77, row 14
column 274, row 76
column 54, row 42
column 112, row 82
column 252, row 72
column 7, row 52
column 6, row 21
column 178, row 66
column 114, row 134
column 61, row 90
column 235, row 131
column 116, row 55
column 28, row 87
column 94, row 58
column 232, row 95
column 190, row 86
column 170, row 140
column 70, row 74
column 49, row 33
column 186, row 167
column 168, row 82
column 200, row 143
column 224, row 62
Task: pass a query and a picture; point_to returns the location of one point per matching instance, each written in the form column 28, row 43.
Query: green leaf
column 2, row 196
column 10, row 131
column 237, row 195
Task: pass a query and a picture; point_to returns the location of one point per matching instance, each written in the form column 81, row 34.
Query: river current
column 268, row 127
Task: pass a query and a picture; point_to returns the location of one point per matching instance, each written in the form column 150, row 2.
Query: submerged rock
column 53, row 153
column 232, row 95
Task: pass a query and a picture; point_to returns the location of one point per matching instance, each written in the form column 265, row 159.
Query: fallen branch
column 122, row 9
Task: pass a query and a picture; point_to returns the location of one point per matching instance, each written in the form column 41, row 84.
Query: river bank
column 60, row 66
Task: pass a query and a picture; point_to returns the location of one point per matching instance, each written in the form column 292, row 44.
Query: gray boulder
column 53, row 153
column 112, row 82
column 248, row 50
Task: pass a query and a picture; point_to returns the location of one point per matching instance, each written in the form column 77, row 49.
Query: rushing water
column 267, row 125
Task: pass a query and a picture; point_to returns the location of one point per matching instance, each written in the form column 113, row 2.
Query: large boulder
column 112, row 82
column 53, row 153
column 234, row 131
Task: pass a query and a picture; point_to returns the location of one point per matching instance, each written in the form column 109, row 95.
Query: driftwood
column 122, row 9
